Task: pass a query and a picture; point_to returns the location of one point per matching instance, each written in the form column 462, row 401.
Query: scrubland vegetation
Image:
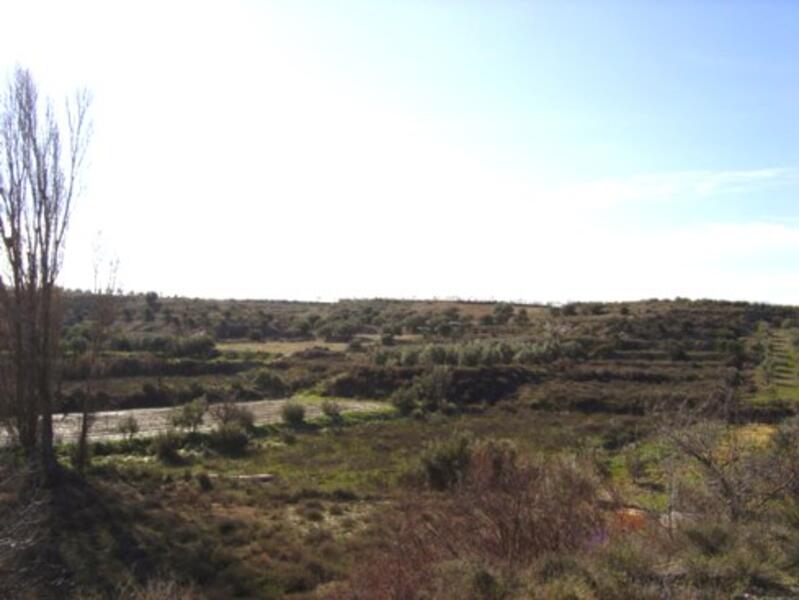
column 643, row 450
column 159, row 447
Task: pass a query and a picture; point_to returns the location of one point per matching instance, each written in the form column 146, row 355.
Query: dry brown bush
column 507, row 512
column 230, row 413
column 510, row 510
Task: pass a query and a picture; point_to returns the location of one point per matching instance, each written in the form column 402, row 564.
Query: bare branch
column 40, row 172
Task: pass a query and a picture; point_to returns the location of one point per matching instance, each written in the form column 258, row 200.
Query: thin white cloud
column 733, row 181
column 234, row 160
column 676, row 185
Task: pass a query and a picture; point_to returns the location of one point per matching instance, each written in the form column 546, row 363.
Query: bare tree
column 738, row 479
column 102, row 315
column 39, row 181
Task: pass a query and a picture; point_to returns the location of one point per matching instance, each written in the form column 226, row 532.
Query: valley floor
column 152, row 421
column 595, row 452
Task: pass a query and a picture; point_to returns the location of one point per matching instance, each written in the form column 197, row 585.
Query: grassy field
column 332, row 487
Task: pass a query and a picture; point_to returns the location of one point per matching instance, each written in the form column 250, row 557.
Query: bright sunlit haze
column 497, row 150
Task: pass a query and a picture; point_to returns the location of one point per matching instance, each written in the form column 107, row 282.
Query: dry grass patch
column 286, row 348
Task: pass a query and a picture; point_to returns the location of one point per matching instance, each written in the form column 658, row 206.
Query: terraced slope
column 777, row 376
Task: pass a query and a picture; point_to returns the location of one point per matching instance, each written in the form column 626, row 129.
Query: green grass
column 366, row 453
column 123, row 386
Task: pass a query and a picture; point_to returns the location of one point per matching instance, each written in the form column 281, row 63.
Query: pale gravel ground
column 154, row 420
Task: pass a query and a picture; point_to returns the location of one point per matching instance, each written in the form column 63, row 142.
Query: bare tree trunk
column 103, row 314
column 39, row 177
column 86, row 422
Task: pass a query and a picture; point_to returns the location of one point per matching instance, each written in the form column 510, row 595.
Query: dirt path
column 154, row 420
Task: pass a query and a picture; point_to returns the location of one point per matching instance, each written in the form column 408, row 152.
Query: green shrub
column 594, row 308
column 381, row 358
column 128, row 426
column 736, row 352
column 75, row 345
column 470, row 355
column 338, row 330
column 491, row 356
column 419, row 414
column 433, row 388
column 196, row 346
column 404, row 400
column 569, row 310
column 270, row 384
column 230, row 413
column 230, row 439
column 486, row 585
column 190, row 415
column 506, row 352
column 502, row 313
column 434, row 354
column 445, row 463
column 293, row 414
column 410, row 357
column 430, row 391
column 151, row 298
column 332, row 410
column 165, row 446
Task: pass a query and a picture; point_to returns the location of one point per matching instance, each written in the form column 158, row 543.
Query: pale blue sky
column 516, row 150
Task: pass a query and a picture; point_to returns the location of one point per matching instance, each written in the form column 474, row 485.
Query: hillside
column 654, row 434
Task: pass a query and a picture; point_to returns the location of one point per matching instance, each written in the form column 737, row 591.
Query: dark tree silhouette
column 41, row 162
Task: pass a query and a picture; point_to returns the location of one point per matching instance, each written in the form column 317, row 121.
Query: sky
column 533, row 151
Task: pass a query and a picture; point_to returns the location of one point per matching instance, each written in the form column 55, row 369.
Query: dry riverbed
column 154, row 420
